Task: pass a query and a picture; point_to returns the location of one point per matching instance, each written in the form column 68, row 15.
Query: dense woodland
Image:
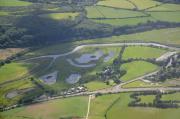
column 33, row 30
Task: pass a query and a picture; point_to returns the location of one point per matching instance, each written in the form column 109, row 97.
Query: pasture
column 19, row 86
column 54, row 109
column 165, row 36
column 136, row 69
column 174, row 96
column 110, row 13
column 166, row 16
column 3, row 13
column 60, row 16
column 142, row 52
column 125, row 21
column 140, row 83
column 116, row 105
column 166, row 7
column 13, row 3
column 147, row 98
column 117, row 4
column 129, row 12
column 14, row 71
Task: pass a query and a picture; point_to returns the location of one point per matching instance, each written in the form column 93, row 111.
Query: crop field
column 113, row 107
column 60, row 16
column 136, row 69
column 14, row 3
column 55, row 109
column 142, row 52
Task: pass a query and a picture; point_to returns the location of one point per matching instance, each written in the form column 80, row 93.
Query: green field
column 144, row 4
column 147, row 98
column 95, row 85
column 165, row 36
column 100, row 104
column 10, row 3
column 55, row 109
column 140, row 83
column 104, row 105
column 174, row 96
column 129, row 10
column 60, row 16
column 2, row 13
column 106, row 12
column 15, row 86
column 166, row 16
column 166, row 7
column 125, row 22
column 142, row 52
column 116, row 3
column 14, row 71
column 136, row 69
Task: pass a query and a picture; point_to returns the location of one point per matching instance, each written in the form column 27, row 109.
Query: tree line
column 157, row 102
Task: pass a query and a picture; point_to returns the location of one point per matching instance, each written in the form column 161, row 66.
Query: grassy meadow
column 136, row 69
column 107, row 12
column 116, row 4
column 12, row 3
column 14, row 86
column 55, row 109
column 14, row 71
column 116, row 105
column 60, row 16
column 142, row 52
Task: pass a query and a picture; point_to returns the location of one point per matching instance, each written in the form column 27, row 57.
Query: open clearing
column 68, row 107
